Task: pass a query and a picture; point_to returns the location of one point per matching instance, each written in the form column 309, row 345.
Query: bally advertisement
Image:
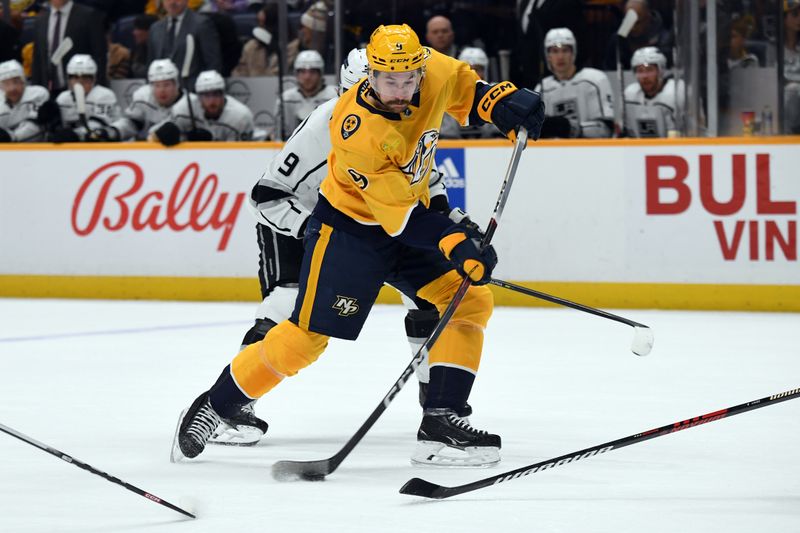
column 670, row 223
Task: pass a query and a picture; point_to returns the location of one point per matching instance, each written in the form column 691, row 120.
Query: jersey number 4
column 360, row 179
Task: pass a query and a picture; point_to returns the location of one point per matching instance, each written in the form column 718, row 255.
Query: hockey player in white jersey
column 579, row 103
column 20, row 105
column 310, row 92
column 652, row 103
column 214, row 116
column 282, row 200
column 150, row 104
column 101, row 102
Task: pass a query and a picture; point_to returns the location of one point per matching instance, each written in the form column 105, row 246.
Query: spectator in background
column 791, row 66
column 65, row 18
column 738, row 57
column 451, row 129
column 440, row 35
column 9, row 40
column 257, row 58
column 167, row 39
column 101, row 103
column 20, row 105
column 312, row 34
column 141, row 32
column 654, row 103
column 578, row 102
column 217, row 117
column 230, row 45
column 648, row 31
column 311, row 91
column 119, row 59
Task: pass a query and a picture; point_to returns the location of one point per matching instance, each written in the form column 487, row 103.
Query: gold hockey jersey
column 379, row 165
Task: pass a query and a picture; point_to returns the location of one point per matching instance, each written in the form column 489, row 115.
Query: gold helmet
column 395, row 48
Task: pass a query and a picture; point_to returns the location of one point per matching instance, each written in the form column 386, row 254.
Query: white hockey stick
column 265, row 38
column 62, row 50
column 622, row 33
column 80, row 103
column 187, row 65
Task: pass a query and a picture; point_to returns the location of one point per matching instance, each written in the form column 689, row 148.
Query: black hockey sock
column 225, row 396
column 449, row 388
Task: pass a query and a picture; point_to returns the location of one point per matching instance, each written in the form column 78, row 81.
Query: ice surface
column 105, row 382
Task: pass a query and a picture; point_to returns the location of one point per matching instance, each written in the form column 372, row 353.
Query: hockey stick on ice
column 187, row 65
column 426, row 489
column 642, row 336
column 317, row 470
column 625, row 27
column 89, row 468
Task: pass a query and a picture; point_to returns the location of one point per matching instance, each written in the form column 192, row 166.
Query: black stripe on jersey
column 291, row 204
column 298, row 128
column 264, row 193
column 307, row 174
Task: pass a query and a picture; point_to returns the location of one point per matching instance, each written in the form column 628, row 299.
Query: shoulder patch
column 350, row 124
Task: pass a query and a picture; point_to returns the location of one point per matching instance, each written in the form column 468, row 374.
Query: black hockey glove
column 508, row 108
column 64, row 135
column 168, row 134
column 5, row 136
column 48, row 115
column 556, row 127
column 199, row 134
column 103, row 134
column 461, row 245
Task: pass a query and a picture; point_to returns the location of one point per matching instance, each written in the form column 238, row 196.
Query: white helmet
column 474, row 56
column 208, row 81
column 309, row 59
column 649, row 55
column 161, row 70
column 81, row 65
column 11, row 69
column 355, row 67
column 561, row 37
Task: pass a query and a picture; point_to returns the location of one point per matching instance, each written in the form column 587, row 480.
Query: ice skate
column 195, row 427
column 447, row 440
column 243, row 429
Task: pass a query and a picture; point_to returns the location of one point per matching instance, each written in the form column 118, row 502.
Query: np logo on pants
column 345, row 305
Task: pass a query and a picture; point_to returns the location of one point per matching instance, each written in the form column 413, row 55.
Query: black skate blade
column 301, row 470
column 425, row 489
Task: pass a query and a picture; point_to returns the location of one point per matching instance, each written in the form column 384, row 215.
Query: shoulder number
column 360, row 179
column 290, row 162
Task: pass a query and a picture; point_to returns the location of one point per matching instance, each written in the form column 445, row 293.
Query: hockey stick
column 88, row 468
column 187, row 65
column 265, row 37
column 80, row 103
column 642, row 336
column 57, row 57
column 622, row 33
column 317, row 470
column 426, row 489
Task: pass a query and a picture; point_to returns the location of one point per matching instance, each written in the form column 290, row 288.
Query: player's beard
column 398, row 106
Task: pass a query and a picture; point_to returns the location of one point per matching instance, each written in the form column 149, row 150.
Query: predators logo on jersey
column 350, row 125
column 380, row 175
column 422, row 161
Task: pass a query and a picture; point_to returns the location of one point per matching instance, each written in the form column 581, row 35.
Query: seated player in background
column 101, row 103
column 214, row 115
column 19, row 107
column 579, row 102
column 652, row 103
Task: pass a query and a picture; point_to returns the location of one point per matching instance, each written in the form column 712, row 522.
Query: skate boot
column 195, row 426
column 464, row 412
column 242, row 429
column 448, row 440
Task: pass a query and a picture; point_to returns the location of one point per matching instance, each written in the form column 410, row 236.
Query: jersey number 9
column 290, row 162
column 360, row 179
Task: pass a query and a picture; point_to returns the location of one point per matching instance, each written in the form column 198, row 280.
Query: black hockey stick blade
column 302, row 470
column 89, row 468
column 426, row 489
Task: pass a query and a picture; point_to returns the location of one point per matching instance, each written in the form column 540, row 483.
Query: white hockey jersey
column 141, row 115
column 20, row 119
column 287, row 192
column 297, row 107
column 101, row 109
column 656, row 116
column 585, row 99
column 235, row 123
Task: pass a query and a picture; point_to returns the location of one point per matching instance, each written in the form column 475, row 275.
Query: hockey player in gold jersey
column 372, row 225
